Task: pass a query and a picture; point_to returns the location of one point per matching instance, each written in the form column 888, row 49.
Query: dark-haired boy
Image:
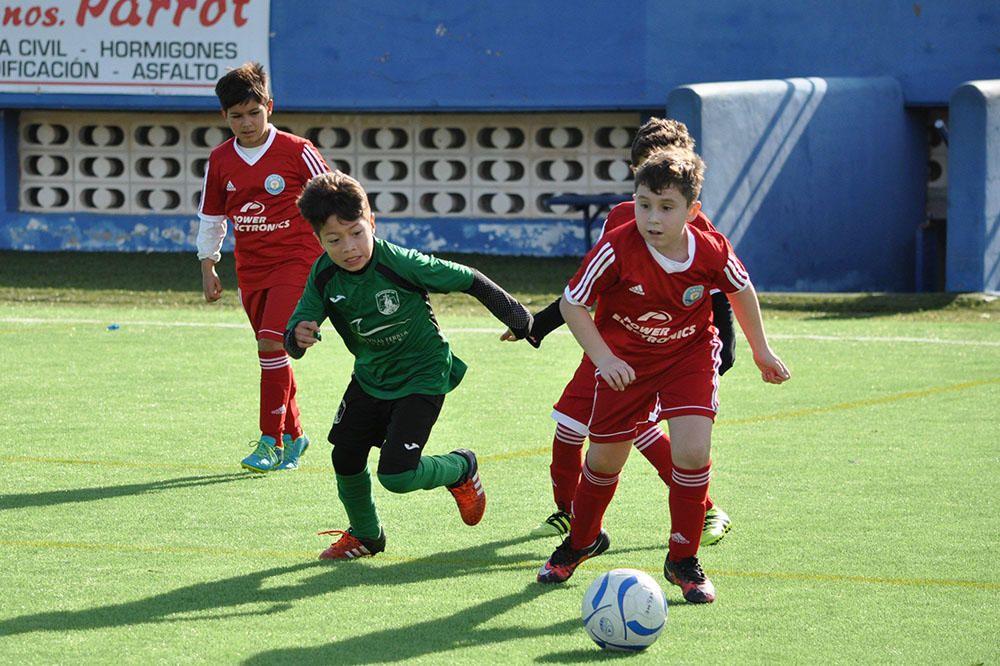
column 655, row 350
column 375, row 295
column 252, row 180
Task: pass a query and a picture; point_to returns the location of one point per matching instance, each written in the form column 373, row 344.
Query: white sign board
column 128, row 47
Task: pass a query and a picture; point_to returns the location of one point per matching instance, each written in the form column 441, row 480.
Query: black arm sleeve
column 291, row 346
column 722, row 314
column 502, row 305
column 545, row 321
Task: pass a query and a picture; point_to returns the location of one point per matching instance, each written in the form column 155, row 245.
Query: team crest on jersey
column 274, row 184
column 387, row 301
column 692, row 294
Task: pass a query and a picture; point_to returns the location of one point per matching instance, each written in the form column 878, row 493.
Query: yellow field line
column 443, row 560
column 798, row 413
column 867, row 402
column 544, row 450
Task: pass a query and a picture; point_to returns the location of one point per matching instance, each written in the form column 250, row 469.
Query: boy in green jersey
column 375, row 294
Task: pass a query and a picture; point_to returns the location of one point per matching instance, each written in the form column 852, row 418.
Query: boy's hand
column 211, row 285
column 772, row 370
column 307, row 334
column 616, row 372
column 511, row 336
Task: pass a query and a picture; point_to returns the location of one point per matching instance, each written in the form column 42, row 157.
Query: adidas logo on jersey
column 637, row 289
column 230, row 187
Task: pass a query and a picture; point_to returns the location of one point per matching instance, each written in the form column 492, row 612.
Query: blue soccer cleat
column 264, row 458
column 292, row 451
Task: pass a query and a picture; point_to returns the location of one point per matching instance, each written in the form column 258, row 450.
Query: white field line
column 498, row 330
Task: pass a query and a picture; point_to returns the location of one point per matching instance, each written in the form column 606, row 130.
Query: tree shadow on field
column 858, row 306
column 440, row 635
column 74, row 495
column 260, row 594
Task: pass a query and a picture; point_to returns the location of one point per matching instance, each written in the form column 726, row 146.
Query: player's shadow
column 463, row 628
column 78, row 495
column 400, row 644
column 261, row 593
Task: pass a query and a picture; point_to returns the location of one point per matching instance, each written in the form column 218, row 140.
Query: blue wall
column 817, row 182
column 600, row 54
column 816, row 154
column 973, row 262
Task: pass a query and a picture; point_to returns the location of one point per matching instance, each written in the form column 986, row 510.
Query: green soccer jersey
column 384, row 316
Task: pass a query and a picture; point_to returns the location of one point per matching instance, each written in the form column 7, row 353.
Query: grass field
column 864, row 493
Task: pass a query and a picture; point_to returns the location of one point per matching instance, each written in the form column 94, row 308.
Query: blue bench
column 591, row 205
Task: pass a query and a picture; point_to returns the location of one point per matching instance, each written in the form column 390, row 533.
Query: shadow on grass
column 179, row 271
column 464, row 628
column 858, row 306
column 238, row 595
column 440, row 635
column 260, row 596
column 74, row 495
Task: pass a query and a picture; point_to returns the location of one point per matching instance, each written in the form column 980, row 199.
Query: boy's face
column 248, row 121
column 661, row 216
column 349, row 243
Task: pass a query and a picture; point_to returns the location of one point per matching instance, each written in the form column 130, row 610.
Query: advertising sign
column 128, row 47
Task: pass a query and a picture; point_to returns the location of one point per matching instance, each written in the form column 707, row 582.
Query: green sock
column 432, row 472
column 355, row 492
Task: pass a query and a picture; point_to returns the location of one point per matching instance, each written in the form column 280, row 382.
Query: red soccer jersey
column 274, row 244
column 649, row 308
column 624, row 213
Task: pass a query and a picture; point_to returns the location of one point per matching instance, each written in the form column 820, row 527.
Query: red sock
column 275, row 384
column 687, row 510
column 292, row 426
column 654, row 444
column 592, row 498
column 567, row 461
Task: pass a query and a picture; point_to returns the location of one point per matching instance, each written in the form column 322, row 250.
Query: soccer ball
column 624, row 609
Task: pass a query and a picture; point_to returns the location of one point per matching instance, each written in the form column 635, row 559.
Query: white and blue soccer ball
column 624, row 609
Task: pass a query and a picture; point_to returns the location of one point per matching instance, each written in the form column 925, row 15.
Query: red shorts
column 270, row 309
column 688, row 385
column 575, row 405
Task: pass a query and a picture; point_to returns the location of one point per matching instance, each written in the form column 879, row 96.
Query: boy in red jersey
column 655, row 350
column 572, row 409
column 253, row 180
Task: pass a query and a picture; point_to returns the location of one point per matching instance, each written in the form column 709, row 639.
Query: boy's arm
column 211, row 232
column 545, row 321
column 501, row 305
column 302, row 331
column 747, row 310
column 722, row 315
column 301, row 337
column 616, row 372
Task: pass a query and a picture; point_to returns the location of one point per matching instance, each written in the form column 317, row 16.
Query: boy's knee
column 398, row 483
column 347, row 462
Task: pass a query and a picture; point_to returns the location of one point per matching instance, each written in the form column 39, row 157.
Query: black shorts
column 400, row 428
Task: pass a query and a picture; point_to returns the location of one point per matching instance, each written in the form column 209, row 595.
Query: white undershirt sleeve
column 211, row 233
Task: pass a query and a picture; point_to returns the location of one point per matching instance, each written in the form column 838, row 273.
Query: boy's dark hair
column 333, row 193
column 676, row 167
column 246, row 82
column 657, row 133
